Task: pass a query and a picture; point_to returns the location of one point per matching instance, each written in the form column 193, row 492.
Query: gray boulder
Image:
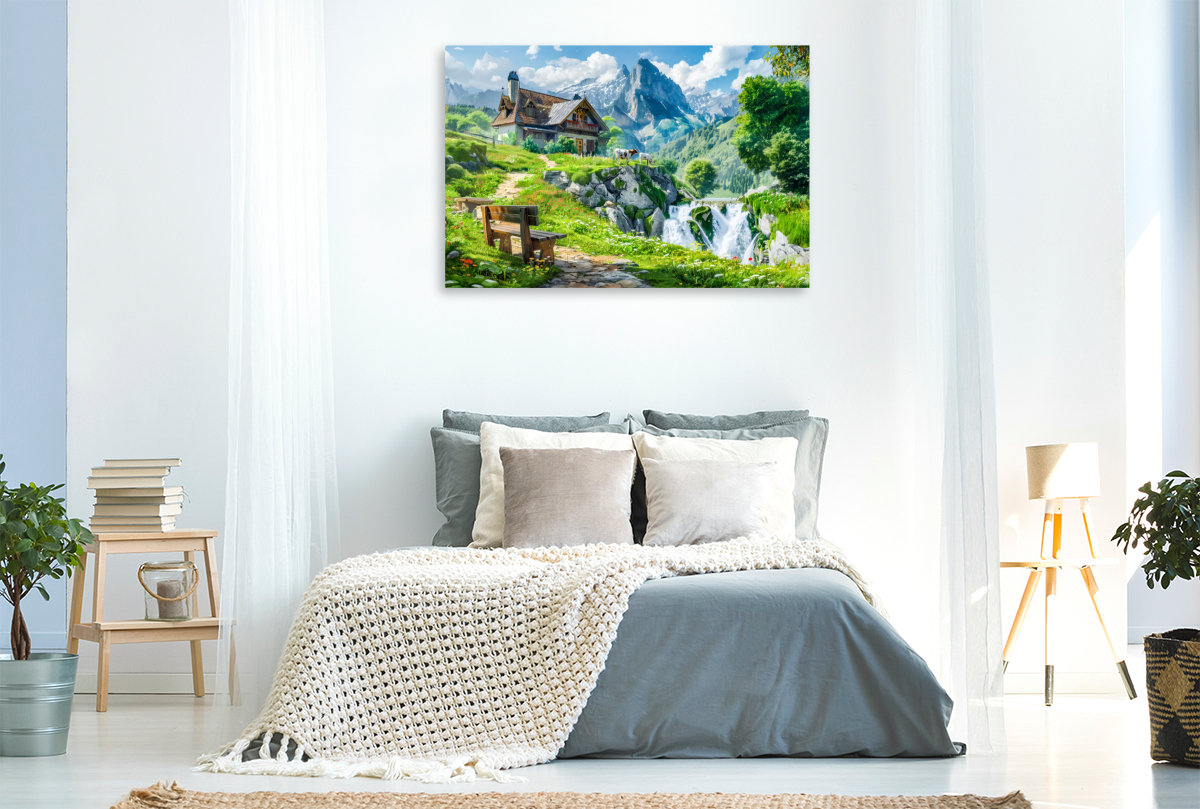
column 781, row 250
column 657, row 221
column 449, row 160
column 590, row 198
column 628, row 189
column 765, row 222
column 618, row 218
column 558, row 179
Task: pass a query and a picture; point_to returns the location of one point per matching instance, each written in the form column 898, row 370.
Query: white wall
column 149, row 84
column 1162, row 241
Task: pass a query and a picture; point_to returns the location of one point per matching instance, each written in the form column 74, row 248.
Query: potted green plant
column 1165, row 521
column 36, row 688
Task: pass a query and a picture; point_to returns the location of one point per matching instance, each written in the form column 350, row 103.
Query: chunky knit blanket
column 447, row 666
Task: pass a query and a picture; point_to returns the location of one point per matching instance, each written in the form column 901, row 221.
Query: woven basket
column 1173, row 691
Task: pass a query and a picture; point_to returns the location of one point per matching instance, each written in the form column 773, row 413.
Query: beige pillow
column 566, row 496
column 781, row 515
column 690, row 502
column 489, row 514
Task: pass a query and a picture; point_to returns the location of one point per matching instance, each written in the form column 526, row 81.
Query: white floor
column 1082, row 752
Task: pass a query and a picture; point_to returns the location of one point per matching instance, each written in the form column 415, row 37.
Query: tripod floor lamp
column 1059, row 472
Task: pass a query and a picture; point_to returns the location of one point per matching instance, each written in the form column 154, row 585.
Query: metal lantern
column 169, row 587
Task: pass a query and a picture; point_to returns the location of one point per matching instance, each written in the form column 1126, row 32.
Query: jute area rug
column 162, row 796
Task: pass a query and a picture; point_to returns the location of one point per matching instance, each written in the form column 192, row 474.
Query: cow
column 625, row 154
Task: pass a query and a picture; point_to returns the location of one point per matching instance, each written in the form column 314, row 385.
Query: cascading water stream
column 731, row 234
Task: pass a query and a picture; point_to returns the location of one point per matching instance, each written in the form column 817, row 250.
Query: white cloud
column 719, row 60
column 558, row 73
column 533, row 51
column 558, row 47
column 487, row 73
column 457, row 48
column 755, row 67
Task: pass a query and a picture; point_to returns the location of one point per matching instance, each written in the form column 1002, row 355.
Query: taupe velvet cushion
column 689, row 502
column 488, row 531
column 566, row 496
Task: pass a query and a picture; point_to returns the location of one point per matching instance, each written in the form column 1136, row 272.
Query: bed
column 550, row 637
column 760, row 663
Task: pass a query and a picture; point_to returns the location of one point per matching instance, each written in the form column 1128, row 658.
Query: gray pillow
column 695, row 501
column 565, row 497
column 462, row 420
column 684, row 421
column 456, row 464
column 811, row 433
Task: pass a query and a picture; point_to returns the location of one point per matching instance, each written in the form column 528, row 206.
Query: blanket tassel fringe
column 452, row 770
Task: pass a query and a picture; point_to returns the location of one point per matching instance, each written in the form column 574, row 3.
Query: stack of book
column 132, row 496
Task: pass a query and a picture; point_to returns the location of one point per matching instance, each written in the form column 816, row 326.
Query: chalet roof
column 537, row 113
column 560, row 111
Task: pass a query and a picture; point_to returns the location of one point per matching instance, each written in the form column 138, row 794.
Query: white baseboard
column 144, row 683
column 1136, row 633
column 1065, row 682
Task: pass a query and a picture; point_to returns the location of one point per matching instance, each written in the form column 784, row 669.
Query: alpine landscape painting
column 624, row 166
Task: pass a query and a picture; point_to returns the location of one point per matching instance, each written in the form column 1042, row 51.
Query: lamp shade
column 1063, row 470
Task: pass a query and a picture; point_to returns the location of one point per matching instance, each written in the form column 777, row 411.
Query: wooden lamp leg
column 1048, row 517
column 1035, row 576
column 1093, row 588
column 1051, row 605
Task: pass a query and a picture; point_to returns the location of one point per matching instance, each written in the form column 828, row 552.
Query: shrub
column 530, row 145
column 561, row 146
column 669, row 166
column 582, row 177
column 455, row 172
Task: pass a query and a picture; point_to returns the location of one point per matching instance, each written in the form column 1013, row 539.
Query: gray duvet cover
column 760, row 663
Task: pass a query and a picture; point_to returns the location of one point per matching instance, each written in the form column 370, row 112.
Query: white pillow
column 690, row 502
column 781, row 515
column 489, row 514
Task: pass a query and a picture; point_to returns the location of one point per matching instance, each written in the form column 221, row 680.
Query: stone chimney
column 514, row 83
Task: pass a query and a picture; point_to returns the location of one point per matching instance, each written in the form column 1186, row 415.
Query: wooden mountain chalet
column 546, row 118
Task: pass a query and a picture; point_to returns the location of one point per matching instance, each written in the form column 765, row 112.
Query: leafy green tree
column 669, row 166
column 701, row 176
column 788, row 156
column 768, row 107
column 789, row 61
column 616, row 135
column 480, row 120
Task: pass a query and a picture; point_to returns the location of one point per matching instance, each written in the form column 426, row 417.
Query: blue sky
column 715, row 68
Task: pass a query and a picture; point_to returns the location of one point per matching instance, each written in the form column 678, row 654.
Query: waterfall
column 731, row 234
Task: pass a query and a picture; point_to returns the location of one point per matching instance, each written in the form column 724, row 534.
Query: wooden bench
column 469, row 204
column 502, row 222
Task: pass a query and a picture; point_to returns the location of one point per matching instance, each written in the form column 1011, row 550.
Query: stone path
column 508, row 187
column 575, row 268
column 578, row 269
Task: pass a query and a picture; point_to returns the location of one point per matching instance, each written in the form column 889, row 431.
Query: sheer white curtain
column 957, row 427
column 281, row 509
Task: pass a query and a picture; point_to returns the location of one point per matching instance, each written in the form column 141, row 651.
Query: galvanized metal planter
column 35, row 703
